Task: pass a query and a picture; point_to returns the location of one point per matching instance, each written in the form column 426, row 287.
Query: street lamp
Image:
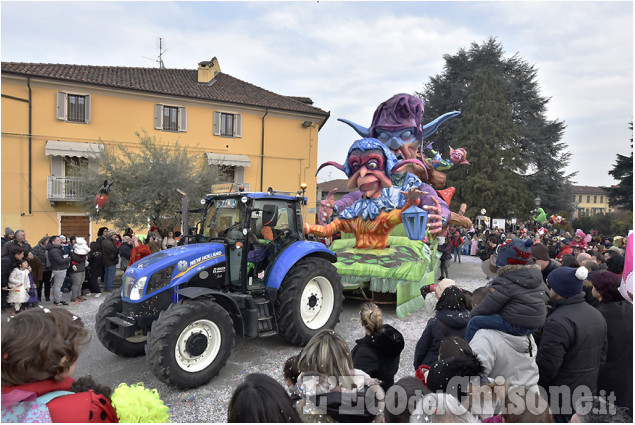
column 537, row 201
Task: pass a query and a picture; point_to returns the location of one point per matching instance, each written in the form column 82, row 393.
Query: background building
column 590, row 200
column 53, row 114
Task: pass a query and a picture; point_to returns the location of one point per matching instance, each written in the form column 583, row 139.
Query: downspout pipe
column 28, row 84
column 262, row 150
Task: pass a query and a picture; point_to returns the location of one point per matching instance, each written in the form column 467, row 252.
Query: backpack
column 48, row 262
column 24, row 407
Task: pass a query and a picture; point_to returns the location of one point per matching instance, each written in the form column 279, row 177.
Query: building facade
column 590, row 200
column 55, row 114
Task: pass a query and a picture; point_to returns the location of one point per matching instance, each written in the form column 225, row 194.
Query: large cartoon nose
column 394, row 143
column 363, row 171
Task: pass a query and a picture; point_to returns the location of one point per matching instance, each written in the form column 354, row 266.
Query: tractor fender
column 292, row 255
column 227, row 302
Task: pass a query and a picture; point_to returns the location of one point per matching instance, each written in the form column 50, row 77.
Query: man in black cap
column 540, row 254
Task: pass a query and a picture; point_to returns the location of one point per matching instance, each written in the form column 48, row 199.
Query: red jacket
column 138, row 253
column 87, row 406
column 566, row 250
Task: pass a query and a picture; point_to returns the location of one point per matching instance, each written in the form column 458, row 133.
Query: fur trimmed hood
column 516, row 267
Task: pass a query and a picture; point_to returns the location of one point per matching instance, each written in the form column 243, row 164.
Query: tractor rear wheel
column 189, row 343
column 309, row 300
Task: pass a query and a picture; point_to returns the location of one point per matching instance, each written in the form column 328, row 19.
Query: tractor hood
column 170, row 266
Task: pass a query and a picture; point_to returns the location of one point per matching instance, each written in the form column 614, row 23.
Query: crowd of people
column 60, row 264
column 544, row 341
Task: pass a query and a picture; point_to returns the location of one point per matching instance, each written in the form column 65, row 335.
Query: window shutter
column 87, row 106
column 216, row 129
column 238, row 130
column 61, row 105
column 158, row 117
column 182, row 118
column 57, row 165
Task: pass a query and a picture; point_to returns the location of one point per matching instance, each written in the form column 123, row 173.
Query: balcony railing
column 62, row 188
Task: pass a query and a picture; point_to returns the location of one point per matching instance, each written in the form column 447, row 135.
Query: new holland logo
column 182, row 265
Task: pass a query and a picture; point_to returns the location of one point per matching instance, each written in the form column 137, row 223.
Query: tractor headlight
column 136, row 289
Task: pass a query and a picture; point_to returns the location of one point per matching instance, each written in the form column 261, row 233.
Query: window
column 595, row 199
column 73, row 107
column 72, row 164
column 170, row 118
column 227, row 125
column 601, row 199
column 588, row 199
column 580, row 198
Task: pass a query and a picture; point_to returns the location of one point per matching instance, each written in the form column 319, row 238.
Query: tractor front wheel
column 189, row 343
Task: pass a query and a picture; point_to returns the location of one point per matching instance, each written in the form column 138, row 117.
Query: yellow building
column 590, row 200
column 52, row 113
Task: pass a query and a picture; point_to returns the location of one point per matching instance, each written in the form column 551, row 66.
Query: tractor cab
column 255, row 228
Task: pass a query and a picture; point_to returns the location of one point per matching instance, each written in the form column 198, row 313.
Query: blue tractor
column 247, row 270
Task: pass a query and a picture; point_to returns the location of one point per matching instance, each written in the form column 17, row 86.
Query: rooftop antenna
column 159, row 60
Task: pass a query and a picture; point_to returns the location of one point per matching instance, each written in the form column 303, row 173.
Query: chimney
column 207, row 70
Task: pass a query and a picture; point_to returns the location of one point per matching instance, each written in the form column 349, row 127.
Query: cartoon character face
column 368, row 172
column 458, row 156
column 402, row 142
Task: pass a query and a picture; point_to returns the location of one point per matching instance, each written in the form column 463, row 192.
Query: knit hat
column 81, row 247
column 8, row 231
column 540, row 252
column 514, row 252
column 62, row 238
column 109, row 233
column 567, row 281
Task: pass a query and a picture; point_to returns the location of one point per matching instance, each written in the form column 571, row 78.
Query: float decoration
column 541, row 215
column 102, row 194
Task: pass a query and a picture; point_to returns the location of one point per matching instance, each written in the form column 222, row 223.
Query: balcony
column 62, row 188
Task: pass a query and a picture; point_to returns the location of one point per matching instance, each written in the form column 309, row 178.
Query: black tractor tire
column 310, row 286
column 202, row 334
column 109, row 308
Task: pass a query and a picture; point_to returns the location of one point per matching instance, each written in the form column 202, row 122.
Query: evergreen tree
column 145, row 183
column 539, row 139
column 488, row 133
column 621, row 195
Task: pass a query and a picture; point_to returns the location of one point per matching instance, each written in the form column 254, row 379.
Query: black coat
column 56, row 258
column 40, row 252
column 124, row 251
column 518, row 295
column 110, row 252
column 551, row 267
column 617, row 373
column 442, row 372
column 573, row 345
column 378, row 354
column 445, row 323
column 81, row 263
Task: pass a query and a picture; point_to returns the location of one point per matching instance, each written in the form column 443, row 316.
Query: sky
column 348, row 57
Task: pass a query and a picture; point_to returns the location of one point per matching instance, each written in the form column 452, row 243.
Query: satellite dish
column 483, row 211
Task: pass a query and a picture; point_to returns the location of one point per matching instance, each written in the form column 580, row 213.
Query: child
column 516, row 301
column 19, row 284
column 39, row 353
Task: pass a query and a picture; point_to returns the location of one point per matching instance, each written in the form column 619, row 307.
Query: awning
column 82, row 150
column 228, row 159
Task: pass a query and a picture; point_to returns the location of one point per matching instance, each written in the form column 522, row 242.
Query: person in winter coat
column 466, row 366
column 540, row 254
column 445, row 248
column 573, row 343
column 457, row 245
column 79, row 259
column 516, row 301
column 124, row 252
column 9, row 234
column 378, row 352
column 451, row 318
column 59, row 265
column 96, row 263
column 169, row 241
column 19, row 240
column 32, row 365
column 139, row 251
column 37, row 272
column 616, row 374
column 16, row 254
column 110, row 257
column 153, row 242
column 40, row 251
column 19, row 284
column 331, row 388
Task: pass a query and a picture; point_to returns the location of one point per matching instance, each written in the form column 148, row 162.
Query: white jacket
column 508, row 356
